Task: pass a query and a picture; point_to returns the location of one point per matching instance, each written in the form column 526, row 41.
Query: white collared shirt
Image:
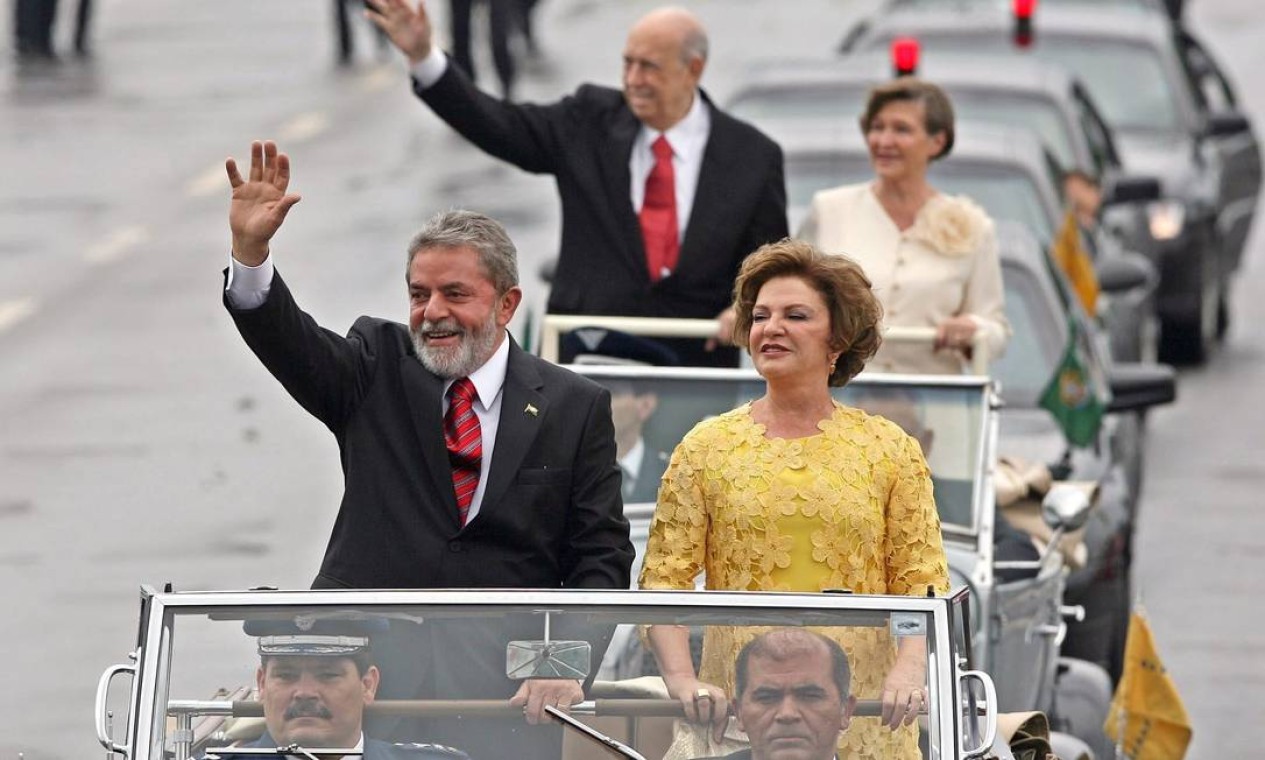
column 688, row 138
column 630, row 463
column 248, row 287
column 489, row 381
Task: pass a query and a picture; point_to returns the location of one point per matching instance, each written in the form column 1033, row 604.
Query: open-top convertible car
column 280, row 673
column 1016, row 596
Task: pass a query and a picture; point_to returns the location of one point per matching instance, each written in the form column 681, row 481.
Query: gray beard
column 473, row 349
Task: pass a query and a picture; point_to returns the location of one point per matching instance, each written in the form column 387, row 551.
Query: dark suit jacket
column 585, row 140
column 374, row 750
column 551, row 515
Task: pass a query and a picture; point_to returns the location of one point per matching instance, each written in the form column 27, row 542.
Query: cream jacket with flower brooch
column 945, row 264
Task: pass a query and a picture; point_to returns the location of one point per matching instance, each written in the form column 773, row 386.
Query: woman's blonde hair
column 854, row 311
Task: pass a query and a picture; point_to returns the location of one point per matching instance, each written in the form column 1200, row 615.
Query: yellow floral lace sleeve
column 914, row 548
column 677, row 546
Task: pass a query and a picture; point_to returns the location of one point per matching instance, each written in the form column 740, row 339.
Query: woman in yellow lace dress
column 796, row 492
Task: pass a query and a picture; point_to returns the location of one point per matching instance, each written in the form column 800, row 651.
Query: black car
column 1174, row 114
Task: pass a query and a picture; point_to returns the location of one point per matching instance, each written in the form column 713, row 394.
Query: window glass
column 1128, row 82
column 442, row 674
column 1036, row 344
column 1005, row 193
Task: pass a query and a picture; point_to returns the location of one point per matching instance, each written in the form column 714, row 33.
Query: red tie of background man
column 464, row 439
column 659, row 227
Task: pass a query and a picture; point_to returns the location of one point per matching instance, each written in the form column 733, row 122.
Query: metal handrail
column 487, row 708
column 553, row 325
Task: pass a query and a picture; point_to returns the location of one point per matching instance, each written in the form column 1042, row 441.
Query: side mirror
column 1132, row 190
column 1137, row 387
column 1226, row 124
column 1066, row 507
column 1124, row 272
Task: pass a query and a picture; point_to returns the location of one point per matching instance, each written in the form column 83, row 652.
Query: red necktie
column 464, row 439
column 658, row 213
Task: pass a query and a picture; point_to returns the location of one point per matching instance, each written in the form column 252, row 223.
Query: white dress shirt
column 688, row 138
column 248, row 287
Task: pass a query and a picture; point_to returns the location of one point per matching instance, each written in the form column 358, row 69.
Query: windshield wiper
column 605, row 742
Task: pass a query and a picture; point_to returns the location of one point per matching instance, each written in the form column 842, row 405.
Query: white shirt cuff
column 428, row 70
column 248, row 287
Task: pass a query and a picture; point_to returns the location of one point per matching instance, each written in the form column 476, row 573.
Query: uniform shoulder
column 426, row 751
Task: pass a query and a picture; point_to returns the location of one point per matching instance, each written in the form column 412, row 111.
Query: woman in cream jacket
column 932, row 258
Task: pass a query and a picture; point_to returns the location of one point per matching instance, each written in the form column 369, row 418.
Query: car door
column 1229, row 135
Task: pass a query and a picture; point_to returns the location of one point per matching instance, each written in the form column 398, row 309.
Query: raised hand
column 408, row 29
column 259, row 204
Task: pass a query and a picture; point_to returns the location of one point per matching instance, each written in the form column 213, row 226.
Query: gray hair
column 694, row 45
column 458, row 228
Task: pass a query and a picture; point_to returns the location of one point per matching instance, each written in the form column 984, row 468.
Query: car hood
column 1170, row 158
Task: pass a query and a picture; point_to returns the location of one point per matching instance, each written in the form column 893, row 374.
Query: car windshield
column 1038, row 339
column 233, row 675
column 1037, row 114
column 1006, row 193
column 846, row 101
column 1127, row 81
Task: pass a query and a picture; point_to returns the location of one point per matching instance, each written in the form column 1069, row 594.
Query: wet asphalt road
column 140, row 442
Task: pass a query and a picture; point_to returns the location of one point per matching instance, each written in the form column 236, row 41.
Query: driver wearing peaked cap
column 315, row 677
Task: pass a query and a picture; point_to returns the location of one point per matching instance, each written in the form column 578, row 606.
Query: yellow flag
column 1155, row 723
column 1070, row 255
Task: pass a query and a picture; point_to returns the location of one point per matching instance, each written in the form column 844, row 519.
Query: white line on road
column 118, row 244
column 303, row 127
column 12, row 312
column 380, row 78
column 213, row 181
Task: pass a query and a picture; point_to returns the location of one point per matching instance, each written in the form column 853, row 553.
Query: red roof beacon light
column 1023, row 22
column 905, row 56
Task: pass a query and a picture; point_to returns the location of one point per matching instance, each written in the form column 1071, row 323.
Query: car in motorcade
column 1049, row 326
column 1174, row 114
column 784, row 95
column 1046, row 320
column 1017, row 610
column 187, row 688
column 1010, row 173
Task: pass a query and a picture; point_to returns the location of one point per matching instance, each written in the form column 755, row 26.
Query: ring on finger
column 702, row 694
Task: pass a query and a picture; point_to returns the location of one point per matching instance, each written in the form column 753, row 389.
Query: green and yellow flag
column 1071, row 395
column 1147, row 719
